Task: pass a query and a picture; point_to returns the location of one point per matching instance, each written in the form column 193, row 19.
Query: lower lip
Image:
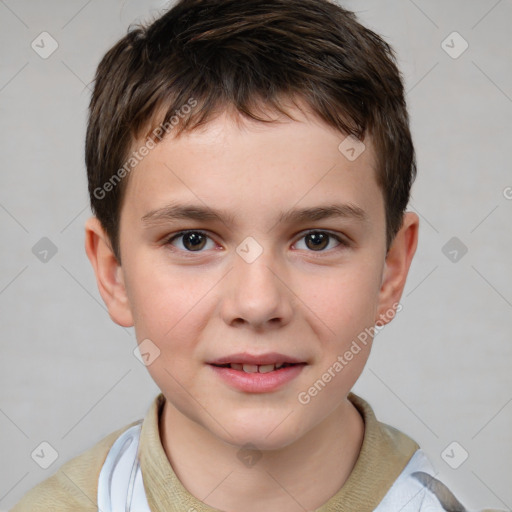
column 258, row 382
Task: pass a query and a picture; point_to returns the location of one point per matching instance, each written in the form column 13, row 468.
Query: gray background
column 440, row 371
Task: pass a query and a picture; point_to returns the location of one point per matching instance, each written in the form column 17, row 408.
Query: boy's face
column 254, row 283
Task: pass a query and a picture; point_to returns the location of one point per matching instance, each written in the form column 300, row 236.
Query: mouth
column 255, row 368
column 257, row 373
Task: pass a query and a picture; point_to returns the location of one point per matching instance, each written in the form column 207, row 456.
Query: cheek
column 169, row 310
column 347, row 301
column 165, row 304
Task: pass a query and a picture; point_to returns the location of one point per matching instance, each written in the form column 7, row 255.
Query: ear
column 396, row 267
column 109, row 274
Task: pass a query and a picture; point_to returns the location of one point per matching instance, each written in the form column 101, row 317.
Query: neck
column 300, row 476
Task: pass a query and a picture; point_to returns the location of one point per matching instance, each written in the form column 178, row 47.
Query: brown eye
column 192, row 241
column 318, row 241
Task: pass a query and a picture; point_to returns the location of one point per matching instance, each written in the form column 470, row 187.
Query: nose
column 256, row 294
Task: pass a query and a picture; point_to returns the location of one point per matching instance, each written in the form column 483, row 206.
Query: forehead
column 256, row 168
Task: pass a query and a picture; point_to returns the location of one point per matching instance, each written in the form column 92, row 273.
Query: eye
column 317, row 241
column 196, row 241
column 192, row 241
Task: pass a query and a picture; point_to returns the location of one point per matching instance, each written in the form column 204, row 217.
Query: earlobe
column 396, row 267
column 108, row 271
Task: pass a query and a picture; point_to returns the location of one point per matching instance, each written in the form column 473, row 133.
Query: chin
column 270, row 433
column 260, row 441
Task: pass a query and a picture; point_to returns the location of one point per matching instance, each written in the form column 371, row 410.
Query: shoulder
column 74, row 485
column 418, row 490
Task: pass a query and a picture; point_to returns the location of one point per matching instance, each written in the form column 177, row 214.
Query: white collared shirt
column 120, row 486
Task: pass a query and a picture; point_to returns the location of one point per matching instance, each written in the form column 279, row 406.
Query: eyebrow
column 177, row 211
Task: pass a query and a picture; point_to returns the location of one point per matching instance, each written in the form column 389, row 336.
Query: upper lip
column 261, row 359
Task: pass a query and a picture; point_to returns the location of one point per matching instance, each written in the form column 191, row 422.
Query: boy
column 249, row 168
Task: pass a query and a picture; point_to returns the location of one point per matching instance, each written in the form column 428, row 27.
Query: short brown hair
column 246, row 55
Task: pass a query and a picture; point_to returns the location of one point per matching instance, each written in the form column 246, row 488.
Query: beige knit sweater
column 384, row 454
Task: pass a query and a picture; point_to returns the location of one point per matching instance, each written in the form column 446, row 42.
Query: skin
column 295, row 298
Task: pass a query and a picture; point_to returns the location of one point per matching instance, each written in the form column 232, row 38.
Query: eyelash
column 343, row 244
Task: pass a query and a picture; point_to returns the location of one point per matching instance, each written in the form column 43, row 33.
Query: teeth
column 254, row 368
column 250, row 368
